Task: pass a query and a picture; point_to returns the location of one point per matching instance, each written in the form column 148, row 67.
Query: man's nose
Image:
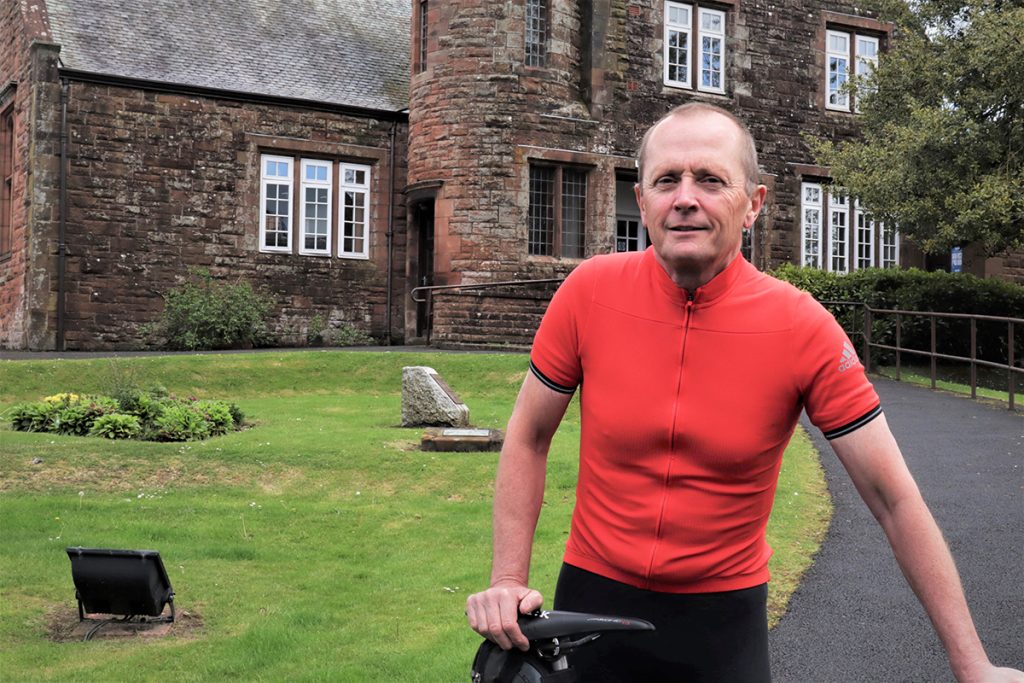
column 685, row 197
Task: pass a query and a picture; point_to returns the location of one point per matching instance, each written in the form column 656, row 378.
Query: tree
column 942, row 117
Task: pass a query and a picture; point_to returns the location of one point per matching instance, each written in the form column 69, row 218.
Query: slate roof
column 345, row 52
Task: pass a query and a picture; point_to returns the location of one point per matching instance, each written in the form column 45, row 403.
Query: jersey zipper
column 687, row 315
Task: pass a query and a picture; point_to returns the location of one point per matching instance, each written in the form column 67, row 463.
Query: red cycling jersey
column 687, row 403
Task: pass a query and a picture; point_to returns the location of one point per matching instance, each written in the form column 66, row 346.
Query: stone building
column 342, row 154
column 263, row 141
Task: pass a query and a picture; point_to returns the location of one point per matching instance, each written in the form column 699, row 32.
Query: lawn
column 319, row 544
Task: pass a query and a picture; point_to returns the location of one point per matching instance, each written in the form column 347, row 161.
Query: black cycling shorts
column 700, row 638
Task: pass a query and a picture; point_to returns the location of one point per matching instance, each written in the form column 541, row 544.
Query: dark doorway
column 423, row 215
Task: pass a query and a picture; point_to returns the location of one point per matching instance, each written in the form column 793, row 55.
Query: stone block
column 428, row 400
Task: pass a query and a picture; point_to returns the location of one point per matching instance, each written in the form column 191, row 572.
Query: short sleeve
column 555, row 356
column 836, row 392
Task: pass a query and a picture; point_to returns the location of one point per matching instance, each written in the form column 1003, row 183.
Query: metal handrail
column 865, row 334
column 430, row 289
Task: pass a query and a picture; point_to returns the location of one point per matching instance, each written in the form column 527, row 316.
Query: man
column 680, row 453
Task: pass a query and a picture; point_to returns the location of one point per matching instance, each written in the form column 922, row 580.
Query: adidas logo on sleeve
column 849, row 357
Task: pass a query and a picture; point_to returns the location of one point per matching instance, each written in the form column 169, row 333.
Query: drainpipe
column 61, row 246
column 391, row 224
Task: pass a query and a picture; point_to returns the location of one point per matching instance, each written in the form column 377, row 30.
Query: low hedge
column 917, row 290
column 145, row 416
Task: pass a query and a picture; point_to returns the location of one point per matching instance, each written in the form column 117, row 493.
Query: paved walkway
column 853, row 618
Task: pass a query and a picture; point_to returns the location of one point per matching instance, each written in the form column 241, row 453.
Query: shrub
column 217, row 415
column 916, row 290
column 77, row 417
column 146, row 416
column 180, row 422
column 346, row 334
column 116, row 426
column 237, row 416
column 34, row 417
column 207, row 314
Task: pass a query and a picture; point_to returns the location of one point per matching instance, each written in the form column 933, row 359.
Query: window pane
column 678, row 57
column 574, row 209
column 678, row 15
column 541, row 213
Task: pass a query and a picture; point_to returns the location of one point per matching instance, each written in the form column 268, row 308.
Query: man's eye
column 665, row 180
column 711, row 180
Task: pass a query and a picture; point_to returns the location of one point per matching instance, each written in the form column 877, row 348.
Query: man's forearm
column 518, row 495
column 927, row 564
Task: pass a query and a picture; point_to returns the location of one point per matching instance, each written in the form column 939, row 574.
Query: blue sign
column 956, row 260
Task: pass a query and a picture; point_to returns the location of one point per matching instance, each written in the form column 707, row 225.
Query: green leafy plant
column 180, row 422
column 77, row 417
column 217, row 415
column 315, row 331
column 204, row 313
column 346, row 334
column 116, row 426
column 34, row 417
column 151, row 417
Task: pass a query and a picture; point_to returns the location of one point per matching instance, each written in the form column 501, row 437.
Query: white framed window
column 810, row 244
column 354, row 211
column 838, row 229
column 678, row 26
column 712, row 50
column 315, row 209
column 275, row 203
column 890, row 253
column 847, row 54
column 837, row 55
column 851, row 239
column 864, row 237
column 683, row 58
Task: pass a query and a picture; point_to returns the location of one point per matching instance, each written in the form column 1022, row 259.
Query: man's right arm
column 518, row 495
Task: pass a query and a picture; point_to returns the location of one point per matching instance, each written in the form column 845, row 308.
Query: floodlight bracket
column 132, row 583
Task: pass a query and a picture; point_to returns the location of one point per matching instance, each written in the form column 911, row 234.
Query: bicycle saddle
column 558, row 624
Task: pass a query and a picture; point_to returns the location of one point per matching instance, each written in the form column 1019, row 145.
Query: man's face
column 693, row 197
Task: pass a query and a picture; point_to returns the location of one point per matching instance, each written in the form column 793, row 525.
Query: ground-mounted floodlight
column 130, row 583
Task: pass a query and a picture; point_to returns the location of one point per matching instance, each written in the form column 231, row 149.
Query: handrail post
column 430, row 314
column 1011, row 379
column 933, row 359
column 974, row 357
column 899, row 325
column 867, row 338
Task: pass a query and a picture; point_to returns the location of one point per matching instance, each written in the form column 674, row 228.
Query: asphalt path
column 854, row 618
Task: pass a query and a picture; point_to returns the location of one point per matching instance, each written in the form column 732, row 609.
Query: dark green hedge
column 917, row 290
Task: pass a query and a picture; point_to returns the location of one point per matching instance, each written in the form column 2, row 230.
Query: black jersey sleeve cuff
column 549, row 383
column 854, row 425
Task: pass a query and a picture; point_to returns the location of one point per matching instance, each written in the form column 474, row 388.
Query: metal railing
column 871, row 315
column 430, row 289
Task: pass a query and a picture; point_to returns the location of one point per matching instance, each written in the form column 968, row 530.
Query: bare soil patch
column 63, row 626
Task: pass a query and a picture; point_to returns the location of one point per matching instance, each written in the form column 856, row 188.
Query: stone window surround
column 819, row 176
column 374, row 159
column 854, row 26
column 727, row 8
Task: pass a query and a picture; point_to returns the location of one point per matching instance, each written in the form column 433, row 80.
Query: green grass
column 318, row 545
column 921, row 376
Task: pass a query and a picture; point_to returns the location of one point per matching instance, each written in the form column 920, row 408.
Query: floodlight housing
column 125, row 582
